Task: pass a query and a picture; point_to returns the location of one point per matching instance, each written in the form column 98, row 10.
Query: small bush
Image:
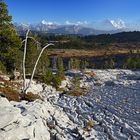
column 10, row 94
column 2, row 67
column 56, row 81
column 91, row 74
column 76, row 82
column 48, row 77
column 76, row 93
column 30, row 97
column 89, row 125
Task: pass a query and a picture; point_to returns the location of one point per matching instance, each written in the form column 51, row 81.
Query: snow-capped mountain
column 55, row 28
column 114, row 24
column 119, row 24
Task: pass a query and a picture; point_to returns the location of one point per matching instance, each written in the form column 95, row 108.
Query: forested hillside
column 122, row 40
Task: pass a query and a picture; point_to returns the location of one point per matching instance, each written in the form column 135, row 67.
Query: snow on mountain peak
column 119, row 24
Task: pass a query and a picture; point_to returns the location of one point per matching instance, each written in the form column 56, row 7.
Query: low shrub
column 48, row 77
column 2, row 67
column 76, row 82
column 56, row 81
column 91, row 74
column 76, row 93
column 10, row 94
column 30, row 97
column 89, row 125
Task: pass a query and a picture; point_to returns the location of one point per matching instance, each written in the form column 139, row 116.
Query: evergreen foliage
column 60, row 68
column 132, row 63
column 76, row 82
column 56, row 81
column 48, row 77
column 2, row 67
column 10, row 42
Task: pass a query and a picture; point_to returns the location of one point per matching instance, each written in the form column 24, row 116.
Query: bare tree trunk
column 24, row 57
column 36, row 66
column 25, row 87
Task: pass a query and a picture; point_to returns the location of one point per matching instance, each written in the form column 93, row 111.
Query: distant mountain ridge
column 62, row 29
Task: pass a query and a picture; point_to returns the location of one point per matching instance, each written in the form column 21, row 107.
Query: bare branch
column 25, row 87
column 34, row 40
column 23, row 41
column 24, row 57
column 36, row 64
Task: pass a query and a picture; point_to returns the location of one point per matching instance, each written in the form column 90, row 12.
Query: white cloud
column 76, row 23
column 48, row 22
column 68, row 22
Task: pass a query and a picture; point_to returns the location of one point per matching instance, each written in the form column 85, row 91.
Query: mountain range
column 74, row 29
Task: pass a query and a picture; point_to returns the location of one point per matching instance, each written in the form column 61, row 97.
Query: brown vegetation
column 10, row 94
column 89, row 53
column 30, row 97
column 90, row 124
column 76, row 93
column 91, row 74
column 9, row 89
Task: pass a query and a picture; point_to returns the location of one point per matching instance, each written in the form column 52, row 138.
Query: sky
column 90, row 12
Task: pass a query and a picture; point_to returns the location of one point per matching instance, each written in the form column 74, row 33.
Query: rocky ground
column 110, row 110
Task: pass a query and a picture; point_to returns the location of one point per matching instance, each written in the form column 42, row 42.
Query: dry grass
column 91, row 74
column 13, row 95
column 60, row 89
column 76, row 93
column 88, row 53
column 10, row 94
column 9, row 89
column 89, row 125
column 30, row 97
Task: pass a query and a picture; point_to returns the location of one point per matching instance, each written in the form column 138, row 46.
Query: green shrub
column 76, row 82
column 2, row 67
column 56, row 81
column 48, row 78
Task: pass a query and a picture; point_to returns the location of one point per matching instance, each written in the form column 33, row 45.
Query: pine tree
column 9, row 40
column 44, row 63
column 76, row 82
column 74, row 63
column 60, row 67
column 83, row 64
column 31, row 56
column 48, row 77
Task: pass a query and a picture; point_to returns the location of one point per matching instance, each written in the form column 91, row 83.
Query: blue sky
column 87, row 11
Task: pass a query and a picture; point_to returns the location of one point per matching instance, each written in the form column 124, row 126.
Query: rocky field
column 108, row 110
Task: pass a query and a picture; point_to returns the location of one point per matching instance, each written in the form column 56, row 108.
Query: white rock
column 8, row 114
column 5, row 77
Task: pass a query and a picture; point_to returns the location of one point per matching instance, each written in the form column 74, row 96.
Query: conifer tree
column 60, row 67
column 9, row 40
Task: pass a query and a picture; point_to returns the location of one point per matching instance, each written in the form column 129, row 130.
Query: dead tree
column 26, row 86
column 33, row 72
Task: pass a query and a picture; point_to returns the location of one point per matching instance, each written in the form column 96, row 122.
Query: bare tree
column 24, row 57
column 33, row 72
column 26, row 86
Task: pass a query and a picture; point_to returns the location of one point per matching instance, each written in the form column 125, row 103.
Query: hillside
column 119, row 40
